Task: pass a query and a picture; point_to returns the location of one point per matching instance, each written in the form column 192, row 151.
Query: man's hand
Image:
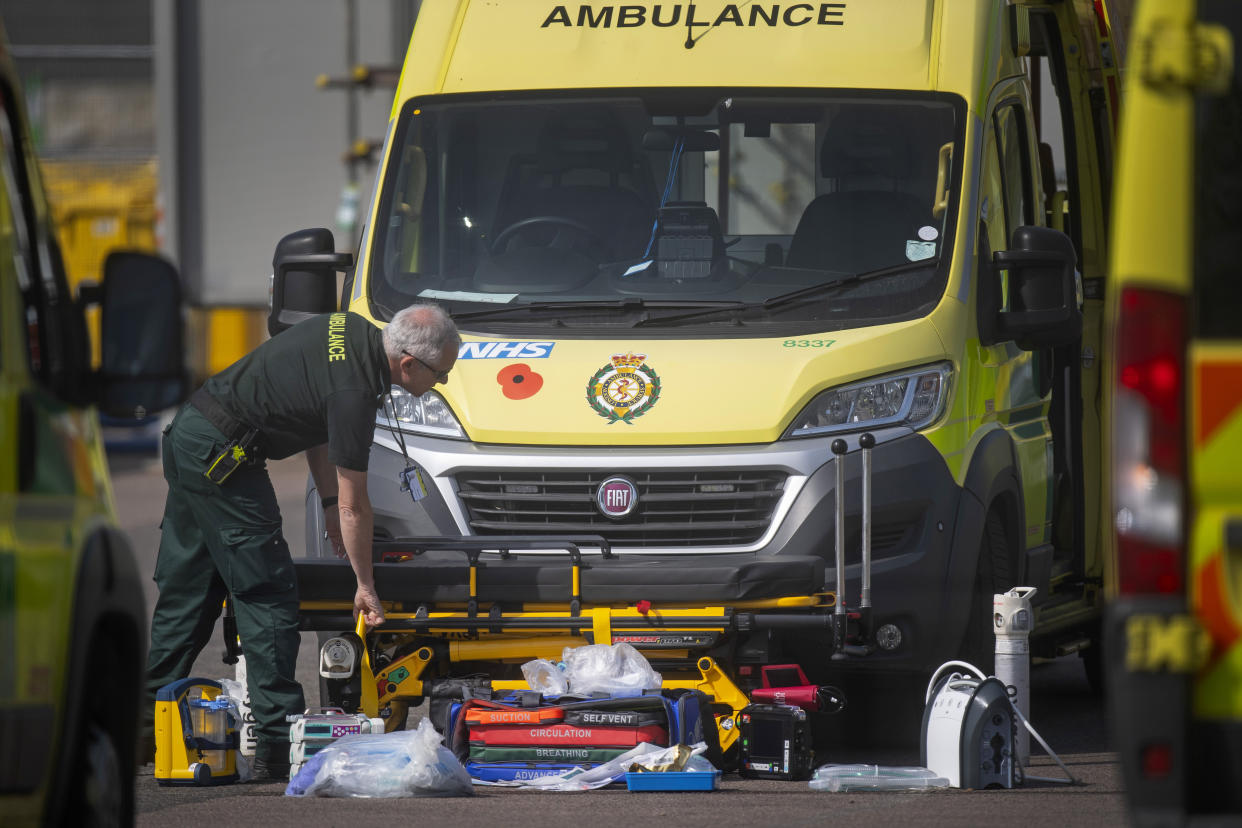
column 367, row 602
column 332, row 527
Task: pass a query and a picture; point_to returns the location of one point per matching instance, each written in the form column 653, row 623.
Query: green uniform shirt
column 320, row 381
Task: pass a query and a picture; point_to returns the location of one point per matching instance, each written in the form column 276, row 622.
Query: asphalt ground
column 1063, row 708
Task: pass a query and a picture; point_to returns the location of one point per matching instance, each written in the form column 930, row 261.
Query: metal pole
column 866, row 442
column 351, row 91
column 839, row 618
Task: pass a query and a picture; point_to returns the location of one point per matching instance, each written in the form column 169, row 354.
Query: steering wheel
column 561, row 239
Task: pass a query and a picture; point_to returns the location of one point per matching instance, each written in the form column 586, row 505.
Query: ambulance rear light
column 1157, row 761
column 1149, row 455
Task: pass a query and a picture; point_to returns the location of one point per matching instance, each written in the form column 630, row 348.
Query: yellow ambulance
column 72, row 620
column 1175, row 414
column 697, row 251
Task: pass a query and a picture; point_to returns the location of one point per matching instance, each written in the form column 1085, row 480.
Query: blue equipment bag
column 686, row 714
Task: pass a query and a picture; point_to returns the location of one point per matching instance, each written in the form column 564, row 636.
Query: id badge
column 414, row 481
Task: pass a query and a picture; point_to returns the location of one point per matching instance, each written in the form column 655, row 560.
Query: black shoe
column 267, row 771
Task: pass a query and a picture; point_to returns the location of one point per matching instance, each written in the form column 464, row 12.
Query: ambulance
column 72, row 617
column 782, row 319
column 1174, row 402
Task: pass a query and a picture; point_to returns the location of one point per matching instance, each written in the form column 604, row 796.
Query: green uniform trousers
column 217, row 540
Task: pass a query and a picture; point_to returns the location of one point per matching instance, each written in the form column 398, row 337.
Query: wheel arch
column 991, row 482
column 106, row 660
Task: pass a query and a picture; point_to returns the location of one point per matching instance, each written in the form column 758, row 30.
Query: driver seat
column 583, row 169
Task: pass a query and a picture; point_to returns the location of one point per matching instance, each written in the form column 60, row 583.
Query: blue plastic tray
column 673, row 781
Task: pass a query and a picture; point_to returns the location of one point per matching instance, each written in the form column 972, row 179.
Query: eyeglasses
column 441, row 376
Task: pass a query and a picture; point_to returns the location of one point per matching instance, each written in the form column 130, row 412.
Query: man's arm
column 357, row 528
column 323, row 472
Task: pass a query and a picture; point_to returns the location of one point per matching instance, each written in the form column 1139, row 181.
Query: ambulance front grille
column 675, row 507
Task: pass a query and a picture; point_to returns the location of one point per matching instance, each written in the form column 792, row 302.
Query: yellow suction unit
column 195, row 737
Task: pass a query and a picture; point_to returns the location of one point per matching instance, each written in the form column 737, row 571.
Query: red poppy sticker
column 518, row 381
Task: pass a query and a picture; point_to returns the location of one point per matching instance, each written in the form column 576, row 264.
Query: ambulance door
column 1073, row 75
column 1214, row 368
column 1011, row 380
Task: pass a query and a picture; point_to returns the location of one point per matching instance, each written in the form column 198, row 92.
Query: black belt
column 209, row 407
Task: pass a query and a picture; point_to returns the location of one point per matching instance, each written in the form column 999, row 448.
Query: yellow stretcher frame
column 712, row 680
column 400, row 682
column 484, row 632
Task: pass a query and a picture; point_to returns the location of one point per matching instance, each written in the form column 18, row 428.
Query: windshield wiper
column 630, row 304
column 866, row 276
column 800, row 293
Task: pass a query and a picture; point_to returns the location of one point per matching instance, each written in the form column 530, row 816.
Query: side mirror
column 142, row 336
column 304, row 277
column 1045, row 298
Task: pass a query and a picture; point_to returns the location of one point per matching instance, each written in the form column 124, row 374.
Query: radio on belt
column 775, row 742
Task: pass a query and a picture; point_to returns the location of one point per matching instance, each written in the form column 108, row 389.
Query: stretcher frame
column 479, row 630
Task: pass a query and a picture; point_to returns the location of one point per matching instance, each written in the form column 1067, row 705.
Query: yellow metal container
column 98, row 207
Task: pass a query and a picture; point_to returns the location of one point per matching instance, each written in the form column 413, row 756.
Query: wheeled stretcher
column 477, row 604
column 490, row 604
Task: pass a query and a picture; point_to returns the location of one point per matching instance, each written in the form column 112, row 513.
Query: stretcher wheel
column 398, row 713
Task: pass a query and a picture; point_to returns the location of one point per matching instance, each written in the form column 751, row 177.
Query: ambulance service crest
column 623, row 389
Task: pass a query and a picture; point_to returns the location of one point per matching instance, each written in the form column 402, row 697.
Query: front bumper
column 918, row 583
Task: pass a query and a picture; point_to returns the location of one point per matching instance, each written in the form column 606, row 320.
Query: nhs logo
column 505, row 350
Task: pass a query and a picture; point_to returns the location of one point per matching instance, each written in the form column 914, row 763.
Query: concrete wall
column 249, row 148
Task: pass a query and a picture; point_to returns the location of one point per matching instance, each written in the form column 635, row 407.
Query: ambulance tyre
column 993, row 574
column 97, row 796
column 100, row 787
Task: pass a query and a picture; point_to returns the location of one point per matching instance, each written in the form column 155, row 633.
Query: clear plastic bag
column 401, row 763
column 675, row 758
column 843, row 778
column 545, row 677
column 614, row 669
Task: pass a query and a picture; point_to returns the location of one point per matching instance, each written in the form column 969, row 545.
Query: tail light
column 1149, row 454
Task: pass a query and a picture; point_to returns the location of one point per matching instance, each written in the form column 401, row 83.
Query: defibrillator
column 196, row 738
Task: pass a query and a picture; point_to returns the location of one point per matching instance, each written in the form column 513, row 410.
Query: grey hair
column 422, row 330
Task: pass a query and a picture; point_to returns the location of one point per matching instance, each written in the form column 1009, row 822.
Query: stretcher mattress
column 443, row 576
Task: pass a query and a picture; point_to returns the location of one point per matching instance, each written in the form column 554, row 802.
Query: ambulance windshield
column 665, row 201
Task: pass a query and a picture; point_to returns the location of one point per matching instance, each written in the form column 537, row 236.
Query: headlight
column 428, row 414
column 914, row 399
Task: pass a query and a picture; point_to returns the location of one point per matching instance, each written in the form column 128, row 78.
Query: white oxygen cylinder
column 248, row 739
column 1012, row 621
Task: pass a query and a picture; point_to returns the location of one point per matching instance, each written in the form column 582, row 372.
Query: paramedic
column 315, row 388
